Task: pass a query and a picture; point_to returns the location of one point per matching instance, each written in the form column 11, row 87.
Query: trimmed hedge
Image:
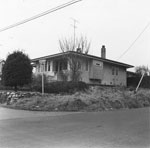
column 61, row 87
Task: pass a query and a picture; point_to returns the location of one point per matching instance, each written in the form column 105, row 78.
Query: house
column 131, row 74
column 93, row 69
column 1, row 66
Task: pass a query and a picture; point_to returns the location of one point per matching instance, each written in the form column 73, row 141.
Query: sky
column 113, row 23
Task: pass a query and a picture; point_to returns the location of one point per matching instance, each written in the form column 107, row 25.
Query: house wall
column 101, row 73
column 114, row 75
column 96, row 70
column 85, row 70
column 92, row 72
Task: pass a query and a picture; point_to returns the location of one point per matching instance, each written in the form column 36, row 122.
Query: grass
column 94, row 99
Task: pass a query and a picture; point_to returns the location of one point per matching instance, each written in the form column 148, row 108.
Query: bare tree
column 140, row 69
column 74, row 45
column 80, row 45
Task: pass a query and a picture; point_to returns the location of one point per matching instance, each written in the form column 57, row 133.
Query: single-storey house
column 93, row 69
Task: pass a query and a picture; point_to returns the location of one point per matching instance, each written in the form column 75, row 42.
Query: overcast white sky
column 113, row 23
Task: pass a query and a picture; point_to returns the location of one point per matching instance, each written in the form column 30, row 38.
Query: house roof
column 83, row 55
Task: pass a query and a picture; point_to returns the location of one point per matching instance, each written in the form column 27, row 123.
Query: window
column 60, row 66
column 45, row 66
column 98, row 64
column 116, row 71
column 113, row 71
column 49, row 66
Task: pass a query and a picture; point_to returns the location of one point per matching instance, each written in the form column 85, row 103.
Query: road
column 111, row 129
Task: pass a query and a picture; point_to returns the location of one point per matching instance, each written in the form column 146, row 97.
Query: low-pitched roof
column 83, row 55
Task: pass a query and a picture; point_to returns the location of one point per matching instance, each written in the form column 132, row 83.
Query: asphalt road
column 111, row 129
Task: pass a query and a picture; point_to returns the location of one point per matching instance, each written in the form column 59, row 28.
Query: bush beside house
column 57, row 86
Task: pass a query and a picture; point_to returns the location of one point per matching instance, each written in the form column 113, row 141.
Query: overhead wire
column 134, row 41
column 40, row 15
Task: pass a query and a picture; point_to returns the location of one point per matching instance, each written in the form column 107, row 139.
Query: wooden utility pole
column 42, row 63
column 140, row 82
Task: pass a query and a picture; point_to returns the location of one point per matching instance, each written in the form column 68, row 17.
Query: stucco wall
column 106, row 77
column 94, row 73
column 96, row 70
column 85, row 72
column 114, row 79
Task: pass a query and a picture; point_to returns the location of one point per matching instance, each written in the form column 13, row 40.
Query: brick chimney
column 103, row 52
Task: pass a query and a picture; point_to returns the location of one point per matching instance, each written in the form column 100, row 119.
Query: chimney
column 103, row 52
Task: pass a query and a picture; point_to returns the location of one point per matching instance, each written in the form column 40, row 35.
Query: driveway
column 112, row 129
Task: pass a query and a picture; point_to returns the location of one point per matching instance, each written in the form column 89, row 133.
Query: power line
column 134, row 41
column 40, row 15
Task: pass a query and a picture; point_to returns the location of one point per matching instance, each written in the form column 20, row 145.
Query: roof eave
column 84, row 55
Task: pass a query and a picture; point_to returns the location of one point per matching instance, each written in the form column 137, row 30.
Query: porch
column 54, row 69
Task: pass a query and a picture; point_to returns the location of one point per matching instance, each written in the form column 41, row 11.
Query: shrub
column 36, row 84
column 75, row 105
column 2, row 87
column 133, row 103
column 65, row 87
column 3, row 98
column 61, row 87
column 116, row 104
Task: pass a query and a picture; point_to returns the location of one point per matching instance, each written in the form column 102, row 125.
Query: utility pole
column 42, row 63
column 74, row 29
column 140, row 81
